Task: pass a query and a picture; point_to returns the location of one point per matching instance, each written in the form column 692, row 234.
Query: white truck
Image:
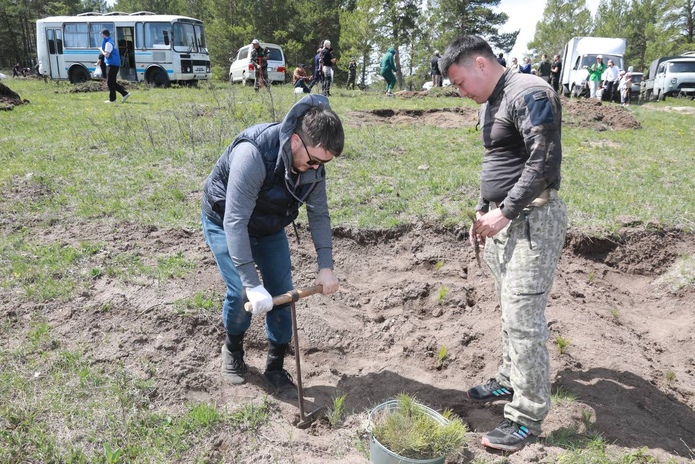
column 670, row 76
column 582, row 51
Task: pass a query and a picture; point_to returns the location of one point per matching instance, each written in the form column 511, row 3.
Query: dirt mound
column 584, row 113
column 444, row 117
column 96, row 86
column 91, row 86
column 9, row 99
column 447, row 92
column 596, row 115
column 405, row 294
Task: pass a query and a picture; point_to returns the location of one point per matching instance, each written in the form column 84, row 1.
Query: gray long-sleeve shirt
column 521, row 132
column 242, row 193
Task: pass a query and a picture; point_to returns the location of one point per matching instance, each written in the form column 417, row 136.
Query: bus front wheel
column 79, row 75
column 158, row 78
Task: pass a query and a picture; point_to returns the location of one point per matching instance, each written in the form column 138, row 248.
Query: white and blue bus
column 157, row 49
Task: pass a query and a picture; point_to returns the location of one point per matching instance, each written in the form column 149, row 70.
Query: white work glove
column 260, row 299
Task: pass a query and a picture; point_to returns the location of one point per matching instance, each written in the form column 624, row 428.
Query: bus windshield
column 189, row 38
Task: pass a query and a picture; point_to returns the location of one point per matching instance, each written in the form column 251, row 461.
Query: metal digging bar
column 305, row 420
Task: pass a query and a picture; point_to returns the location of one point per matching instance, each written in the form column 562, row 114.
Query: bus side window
column 139, row 35
column 51, row 42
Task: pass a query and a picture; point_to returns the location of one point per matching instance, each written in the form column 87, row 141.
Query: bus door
column 126, row 48
column 56, row 61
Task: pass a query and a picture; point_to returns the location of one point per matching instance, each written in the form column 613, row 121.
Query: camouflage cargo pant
column 524, row 272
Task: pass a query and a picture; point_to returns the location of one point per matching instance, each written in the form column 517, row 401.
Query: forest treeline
column 364, row 29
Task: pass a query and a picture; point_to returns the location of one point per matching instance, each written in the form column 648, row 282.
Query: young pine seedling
column 562, row 344
column 441, row 356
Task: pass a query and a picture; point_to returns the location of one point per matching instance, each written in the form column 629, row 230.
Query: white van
column 670, row 76
column 241, row 69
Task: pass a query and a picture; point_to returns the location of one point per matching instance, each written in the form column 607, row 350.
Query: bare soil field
column 630, row 361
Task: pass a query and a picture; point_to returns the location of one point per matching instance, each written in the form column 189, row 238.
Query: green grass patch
column 58, row 407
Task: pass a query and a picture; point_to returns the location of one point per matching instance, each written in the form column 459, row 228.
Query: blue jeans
column 302, row 85
column 271, row 254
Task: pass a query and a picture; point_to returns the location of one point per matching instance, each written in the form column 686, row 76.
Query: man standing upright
column 318, row 73
column 328, row 60
column 521, row 223
column 436, row 73
column 611, row 80
column 259, row 58
column 544, row 68
column 555, row 73
column 254, row 191
column 352, row 74
column 113, row 61
column 388, row 68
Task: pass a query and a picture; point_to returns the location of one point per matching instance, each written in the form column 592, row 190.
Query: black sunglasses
column 312, row 161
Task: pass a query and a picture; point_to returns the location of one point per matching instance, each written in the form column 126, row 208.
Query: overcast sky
column 523, row 15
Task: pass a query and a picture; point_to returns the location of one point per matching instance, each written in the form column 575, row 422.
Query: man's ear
column 481, row 63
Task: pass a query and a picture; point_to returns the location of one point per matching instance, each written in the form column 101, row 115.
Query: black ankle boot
column 233, row 365
column 279, row 378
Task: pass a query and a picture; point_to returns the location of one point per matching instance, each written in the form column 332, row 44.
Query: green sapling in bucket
column 415, row 433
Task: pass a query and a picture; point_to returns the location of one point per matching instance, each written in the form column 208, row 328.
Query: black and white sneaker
column 508, row 436
column 490, row 391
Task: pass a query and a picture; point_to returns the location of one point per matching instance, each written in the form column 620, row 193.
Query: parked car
column 242, row 70
column 670, row 76
column 428, row 85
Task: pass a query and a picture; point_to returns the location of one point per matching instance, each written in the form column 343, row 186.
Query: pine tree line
column 364, row 29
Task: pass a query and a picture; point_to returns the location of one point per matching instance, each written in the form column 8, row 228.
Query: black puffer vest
column 275, row 207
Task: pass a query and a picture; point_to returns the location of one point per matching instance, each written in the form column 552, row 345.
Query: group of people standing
column 549, row 71
column 270, row 170
column 607, row 82
column 324, row 62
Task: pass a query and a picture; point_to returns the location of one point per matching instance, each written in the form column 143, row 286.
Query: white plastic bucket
column 379, row 454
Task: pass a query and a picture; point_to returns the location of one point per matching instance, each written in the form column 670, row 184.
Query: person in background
column 259, row 58
column 544, row 68
column 352, row 74
column 501, row 60
column 514, row 67
column 611, row 79
column 318, row 74
column 388, row 68
column 434, row 70
column 327, row 62
column 595, row 73
column 254, row 191
column 555, row 73
column 300, row 78
column 520, row 223
column 113, row 62
column 526, row 67
column 625, row 86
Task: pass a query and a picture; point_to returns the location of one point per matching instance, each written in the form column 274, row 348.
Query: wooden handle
column 289, row 297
